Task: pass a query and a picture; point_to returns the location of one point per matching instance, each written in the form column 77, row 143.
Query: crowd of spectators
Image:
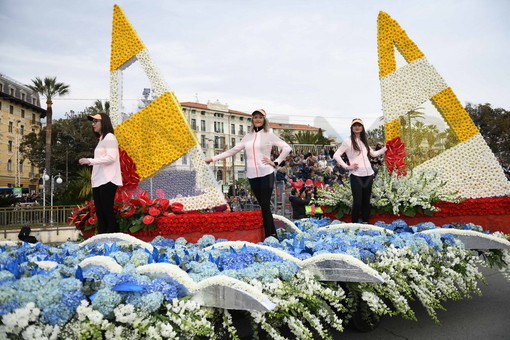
column 304, row 171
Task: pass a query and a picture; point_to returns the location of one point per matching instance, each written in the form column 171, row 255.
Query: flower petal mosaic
column 472, row 169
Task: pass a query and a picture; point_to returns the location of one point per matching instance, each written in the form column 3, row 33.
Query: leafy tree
column 494, row 125
column 72, row 139
column 48, row 88
column 376, row 135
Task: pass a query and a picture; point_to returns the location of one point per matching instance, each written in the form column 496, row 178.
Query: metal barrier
column 35, row 215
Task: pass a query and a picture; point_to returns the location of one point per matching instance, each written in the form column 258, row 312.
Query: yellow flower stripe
column 156, row 135
column 455, row 115
column 125, row 42
column 389, row 33
column 392, row 129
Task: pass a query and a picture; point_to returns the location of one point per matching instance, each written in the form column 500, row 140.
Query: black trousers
column 361, row 191
column 103, row 200
column 262, row 188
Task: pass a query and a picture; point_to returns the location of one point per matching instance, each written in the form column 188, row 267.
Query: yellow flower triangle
column 156, row 135
column 390, row 34
column 125, row 42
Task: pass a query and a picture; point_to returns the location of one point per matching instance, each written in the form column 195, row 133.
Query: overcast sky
column 303, row 61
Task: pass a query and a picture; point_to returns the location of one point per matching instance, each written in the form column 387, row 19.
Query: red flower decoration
column 177, row 207
column 130, row 177
column 128, row 213
column 153, row 211
column 395, row 155
column 148, row 219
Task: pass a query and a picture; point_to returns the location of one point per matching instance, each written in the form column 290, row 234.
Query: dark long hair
column 363, row 138
column 106, row 126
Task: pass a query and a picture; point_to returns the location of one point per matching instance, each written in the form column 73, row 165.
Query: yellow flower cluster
column 389, row 34
column 392, row 129
column 125, row 42
column 455, row 115
column 156, row 135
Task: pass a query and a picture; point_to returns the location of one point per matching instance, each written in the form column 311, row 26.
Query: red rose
column 177, row 207
column 167, row 214
column 148, row 219
column 91, row 221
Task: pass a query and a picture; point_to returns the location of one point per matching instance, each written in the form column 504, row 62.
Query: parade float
column 317, row 277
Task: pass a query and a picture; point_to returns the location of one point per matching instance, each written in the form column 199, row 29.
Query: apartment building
column 218, row 128
column 20, row 113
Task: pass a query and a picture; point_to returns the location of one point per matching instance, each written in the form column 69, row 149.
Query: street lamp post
column 55, row 178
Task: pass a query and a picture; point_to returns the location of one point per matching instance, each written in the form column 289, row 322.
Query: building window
column 233, row 129
column 241, row 129
column 0, row 105
column 218, row 127
column 202, row 141
column 1, row 87
column 233, row 142
column 23, row 96
column 33, row 101
column 20, row 167
column 11, row 109
column 10, row 127
column 241, row 157
column 194, row 124
column 241, row 119
column 12, row 92
column 202, row 125
column 33, row 118
column 22, row 113
column 9, row 165
column 22, row 130
column 193, row 112
column 202, row 113
column 9, row 146
column 219, row 142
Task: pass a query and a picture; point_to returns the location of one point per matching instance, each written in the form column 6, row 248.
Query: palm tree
column 98, row 107
column 306, row 137
column 287, row 136
column 49, row 88
column 406, row 124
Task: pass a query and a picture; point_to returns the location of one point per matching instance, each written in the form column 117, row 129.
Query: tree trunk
column 49, row 123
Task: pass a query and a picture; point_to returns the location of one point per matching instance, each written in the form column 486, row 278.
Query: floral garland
column 392, row 194
column 132, row 302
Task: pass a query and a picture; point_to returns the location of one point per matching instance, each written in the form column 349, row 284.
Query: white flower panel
column 408, row 87
column 469, row 168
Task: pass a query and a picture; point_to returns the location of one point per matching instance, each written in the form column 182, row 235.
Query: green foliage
column 72, row 139
column 494, row 124
column 8, row 201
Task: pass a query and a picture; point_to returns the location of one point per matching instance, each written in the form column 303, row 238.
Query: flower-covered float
column 317, row 277
column 464, row 183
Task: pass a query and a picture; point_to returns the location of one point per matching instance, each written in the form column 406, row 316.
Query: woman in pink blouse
column 106, row 175
column 361, row 173
column 259, row 166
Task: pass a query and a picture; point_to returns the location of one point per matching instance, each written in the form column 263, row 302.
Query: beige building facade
column 20, row 113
